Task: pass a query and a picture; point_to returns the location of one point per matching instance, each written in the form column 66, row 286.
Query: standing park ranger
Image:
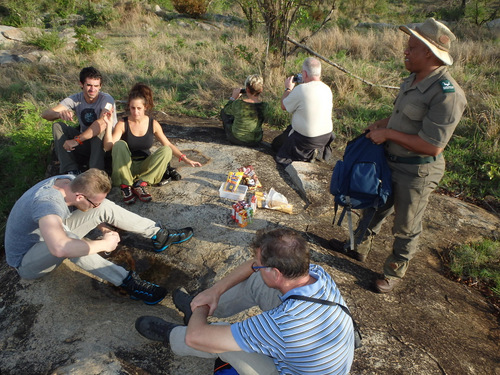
column 426, row 111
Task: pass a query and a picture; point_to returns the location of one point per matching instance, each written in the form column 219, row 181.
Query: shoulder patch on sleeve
column 447, row 86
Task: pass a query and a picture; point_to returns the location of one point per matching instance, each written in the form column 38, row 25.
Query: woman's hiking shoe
column 166, row 237
column 142, row 290
column 128, row 196
column 139, row 189
column 154, row 328
column 182, row 301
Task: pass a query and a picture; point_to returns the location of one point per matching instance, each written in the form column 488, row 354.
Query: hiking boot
column 142, row 290
column 182, row 300
column 166, row 237
column 361, row 249
column 139, row 189
column 386, row 285
column 154, row 328
column 128, row 196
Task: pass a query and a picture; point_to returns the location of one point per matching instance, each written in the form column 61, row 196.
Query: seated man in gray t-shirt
column 75, row 147
column 50, row 222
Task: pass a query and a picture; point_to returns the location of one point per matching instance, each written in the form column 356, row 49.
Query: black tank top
column 139, row 145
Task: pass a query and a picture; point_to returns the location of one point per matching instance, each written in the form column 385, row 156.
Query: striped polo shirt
column 303, row 337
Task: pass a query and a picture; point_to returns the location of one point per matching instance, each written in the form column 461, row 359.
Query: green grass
column 50, row 41
column 478, row 261
column 24, row 156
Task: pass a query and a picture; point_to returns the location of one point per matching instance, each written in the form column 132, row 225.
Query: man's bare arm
column 210, row 338
column 58, row 112
column 62, row 246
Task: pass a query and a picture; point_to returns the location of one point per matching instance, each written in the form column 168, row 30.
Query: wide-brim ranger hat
column 436, row 36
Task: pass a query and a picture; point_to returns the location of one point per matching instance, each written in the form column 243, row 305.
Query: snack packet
column 233, row 180
column 250, row 178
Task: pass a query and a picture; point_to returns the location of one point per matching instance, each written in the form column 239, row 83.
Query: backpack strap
column 335, row 209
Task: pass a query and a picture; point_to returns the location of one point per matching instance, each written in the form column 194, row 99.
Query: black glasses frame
column 95, row 205
column 257, row 268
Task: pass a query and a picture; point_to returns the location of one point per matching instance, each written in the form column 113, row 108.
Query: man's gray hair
column 312, row 67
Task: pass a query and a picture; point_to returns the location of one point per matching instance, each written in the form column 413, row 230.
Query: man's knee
column 57, row 129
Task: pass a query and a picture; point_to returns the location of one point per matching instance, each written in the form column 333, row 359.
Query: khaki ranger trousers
column 412, row 186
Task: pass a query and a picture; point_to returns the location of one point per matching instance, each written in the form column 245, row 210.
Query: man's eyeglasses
column 257, row 268
column 95, row 205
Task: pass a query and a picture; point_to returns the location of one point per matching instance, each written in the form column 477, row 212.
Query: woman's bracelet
column 181, row 157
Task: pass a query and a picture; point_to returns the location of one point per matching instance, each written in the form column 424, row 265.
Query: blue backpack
column 223, row 368
column 361, row 180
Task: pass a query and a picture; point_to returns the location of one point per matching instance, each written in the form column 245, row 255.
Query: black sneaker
column 142, row 290
column 174, row 175
column 166, row 237
column 154, row 328
column 182, row 300
column 164, row 181
column 171, row 173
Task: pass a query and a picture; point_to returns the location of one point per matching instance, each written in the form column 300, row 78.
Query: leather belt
column 412, row 159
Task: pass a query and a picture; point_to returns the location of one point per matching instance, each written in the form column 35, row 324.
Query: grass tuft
column 478, row 262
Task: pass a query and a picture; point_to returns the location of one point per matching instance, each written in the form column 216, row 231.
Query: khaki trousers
column 412, row 186
column 249, row 293
column 38, row 261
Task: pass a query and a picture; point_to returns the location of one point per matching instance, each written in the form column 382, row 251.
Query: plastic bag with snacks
column 250, row 178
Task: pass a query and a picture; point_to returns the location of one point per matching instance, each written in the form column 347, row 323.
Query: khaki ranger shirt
column 432, row 109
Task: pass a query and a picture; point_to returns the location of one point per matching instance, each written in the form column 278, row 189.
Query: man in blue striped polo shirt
column 290, row 336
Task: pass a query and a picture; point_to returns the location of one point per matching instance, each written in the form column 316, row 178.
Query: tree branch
column 339, row 67
column 327, row 19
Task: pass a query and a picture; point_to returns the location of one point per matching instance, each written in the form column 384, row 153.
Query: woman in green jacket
column 242, row 116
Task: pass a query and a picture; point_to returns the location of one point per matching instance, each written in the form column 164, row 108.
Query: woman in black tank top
column 130, row 141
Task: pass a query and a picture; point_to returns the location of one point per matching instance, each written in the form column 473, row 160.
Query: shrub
column 24, row 153
column 49, row 41
column 98, row 15
column 86, row 43
column 195, row 8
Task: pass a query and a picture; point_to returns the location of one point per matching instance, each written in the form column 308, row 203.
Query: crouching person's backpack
column 362, row 179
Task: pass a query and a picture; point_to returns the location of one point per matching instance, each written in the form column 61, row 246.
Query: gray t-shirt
column 22, row 230
column 87, row 113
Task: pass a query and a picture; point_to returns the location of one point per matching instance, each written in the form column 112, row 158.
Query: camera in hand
column 243, row 91
column 297, row 78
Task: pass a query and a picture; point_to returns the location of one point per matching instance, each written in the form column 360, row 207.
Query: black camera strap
column 322, row 301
